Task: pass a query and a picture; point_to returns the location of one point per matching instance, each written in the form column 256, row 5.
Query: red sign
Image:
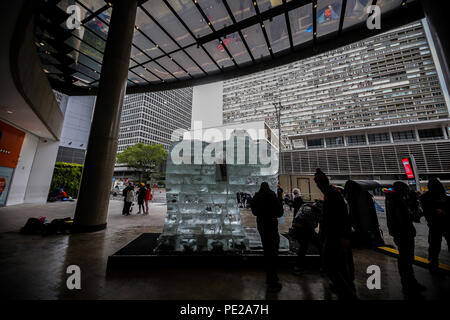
column 11, row 140
column 408, row 168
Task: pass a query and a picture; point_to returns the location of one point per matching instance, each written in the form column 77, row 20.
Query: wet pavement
column 34, row 267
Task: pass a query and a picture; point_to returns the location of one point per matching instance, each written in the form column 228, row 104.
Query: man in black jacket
column 436, row 208
column 400, row 225
column 267, row 208
column 337, row 256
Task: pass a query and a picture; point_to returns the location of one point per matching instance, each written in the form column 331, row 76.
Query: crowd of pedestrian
column 333, row 239
column 142, row 194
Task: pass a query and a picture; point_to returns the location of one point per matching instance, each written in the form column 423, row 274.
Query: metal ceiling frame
column 292, row 53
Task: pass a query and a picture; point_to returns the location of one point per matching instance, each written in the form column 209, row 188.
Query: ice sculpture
column 202, row 180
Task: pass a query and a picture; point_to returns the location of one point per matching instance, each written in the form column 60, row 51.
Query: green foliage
column 67, row 176
column 143, row 157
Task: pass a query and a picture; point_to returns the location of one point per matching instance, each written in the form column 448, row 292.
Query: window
column 403, row 135
column 356, row 140
column 335, row 142
column 431, row 134
column 315, row 143
column 375, row 138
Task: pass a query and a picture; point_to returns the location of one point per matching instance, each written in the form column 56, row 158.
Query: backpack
column 32, row 226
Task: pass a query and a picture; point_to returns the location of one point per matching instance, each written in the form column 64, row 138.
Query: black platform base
column 138, row 254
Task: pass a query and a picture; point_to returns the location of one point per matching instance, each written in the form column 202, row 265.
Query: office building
column 354, row 111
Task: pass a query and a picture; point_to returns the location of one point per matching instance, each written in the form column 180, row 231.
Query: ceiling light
column 262, row 25
column 9, row 111
column 42, row 44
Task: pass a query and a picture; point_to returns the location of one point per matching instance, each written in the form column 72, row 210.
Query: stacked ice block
column 202, row 212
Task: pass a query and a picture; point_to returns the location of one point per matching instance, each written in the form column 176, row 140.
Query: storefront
column 11, row 140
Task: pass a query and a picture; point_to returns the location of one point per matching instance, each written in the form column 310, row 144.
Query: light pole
column 277, row 106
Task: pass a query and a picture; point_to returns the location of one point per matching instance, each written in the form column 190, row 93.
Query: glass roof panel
column 388, row 5
column 138, row 55
column 277, row 33
column 301, row 21
column 169, row 22
column 172, row 67
column 355, row 12
column 187, row 63
column 199, row 55
column 83, row 69
column 241, row 9
column 216, row 13
column 83, row 78
column 328, row 13
column 77, row 56
column 264, row 5
column 146, row 74
column 84, row 48
column 255, row 41
column 90, row 38
column 234, row 44
column 135, row 78
column 160, row 72
column 146, row 45
column 48, row 68
column 147, row 26
column 65, row 3
column 132, row 63
column 190, row 15
column 217, row 51
column 100, row 26
column 93, row 5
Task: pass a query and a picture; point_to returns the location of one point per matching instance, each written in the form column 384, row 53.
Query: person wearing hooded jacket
column 266, row 206
column 335, row 230
column 400, row 225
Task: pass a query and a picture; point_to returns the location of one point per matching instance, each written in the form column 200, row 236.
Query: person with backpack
column 148, row 197
column 303, row 230
column 337, row 256
column 267, row 207
column 400, row 225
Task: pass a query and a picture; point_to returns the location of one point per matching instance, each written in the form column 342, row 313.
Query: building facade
column 151, row 117
column 77, row 112
column 355, row 111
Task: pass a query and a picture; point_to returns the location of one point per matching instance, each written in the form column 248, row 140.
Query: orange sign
column 11, row 140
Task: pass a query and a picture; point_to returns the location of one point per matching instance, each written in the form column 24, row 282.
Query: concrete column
column 444, row 131
column 93, row 197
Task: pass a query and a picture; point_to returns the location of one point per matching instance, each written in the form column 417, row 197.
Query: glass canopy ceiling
column 176, row 41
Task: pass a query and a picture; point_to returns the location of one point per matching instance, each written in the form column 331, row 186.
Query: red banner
column 408, row 168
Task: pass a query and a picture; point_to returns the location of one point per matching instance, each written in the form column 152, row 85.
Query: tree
column 143, row 157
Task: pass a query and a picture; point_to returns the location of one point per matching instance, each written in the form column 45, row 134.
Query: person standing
column 337, row 256
column 400, row 225
column 148, row 197
column 129, row 199
column 436, row 209
column 141, row 197
column 297, row 202
column 266, row 206
column 124, row 194
column 280, row 192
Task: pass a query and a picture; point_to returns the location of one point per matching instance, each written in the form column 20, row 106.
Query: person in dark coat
column 280, row 193
column 400, row 225
column 141, row 197
column 297, row 202
column 266, row 206
column 126, row 208
column 436, row 209
column 337, row 256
